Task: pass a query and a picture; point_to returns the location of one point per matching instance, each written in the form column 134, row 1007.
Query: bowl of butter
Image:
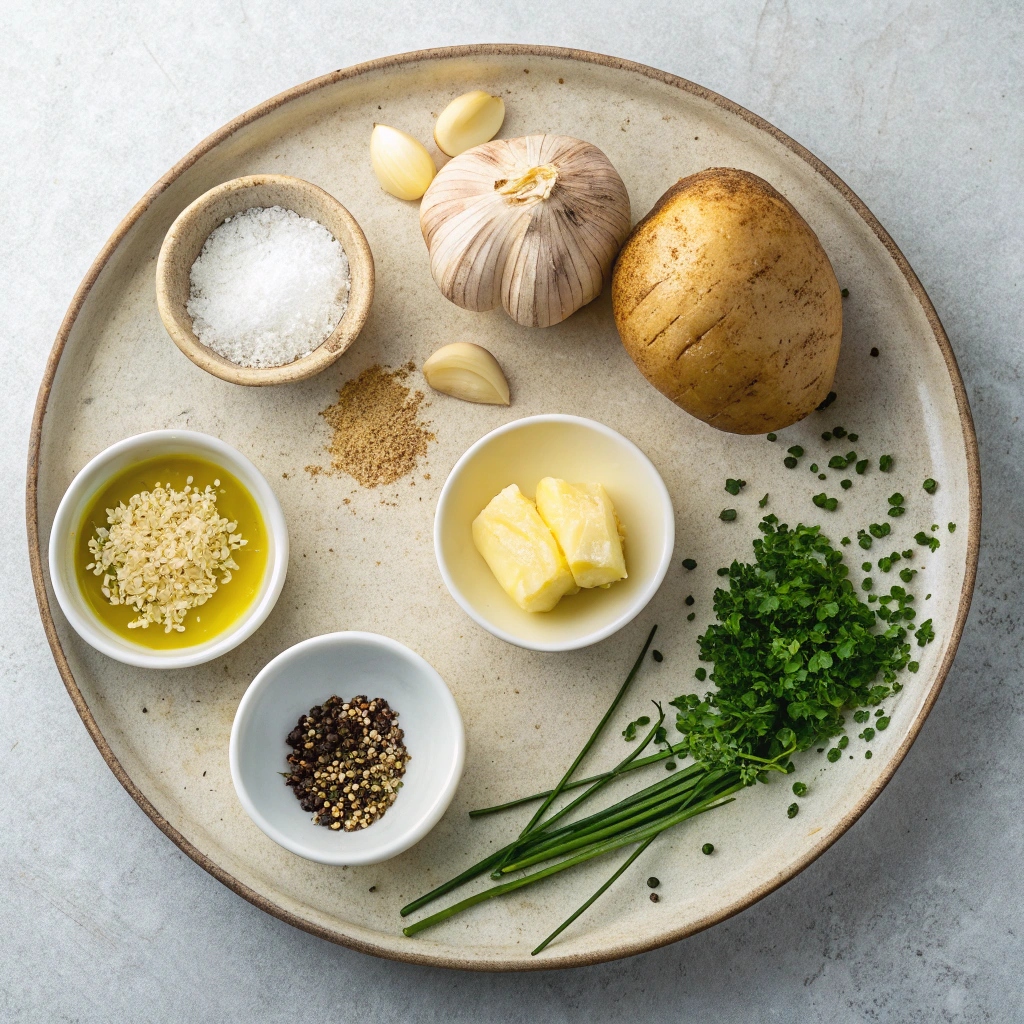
column 553, row 532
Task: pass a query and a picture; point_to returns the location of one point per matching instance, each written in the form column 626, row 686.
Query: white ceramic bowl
column 574, row 449
column 346, row 664
column 94, row 477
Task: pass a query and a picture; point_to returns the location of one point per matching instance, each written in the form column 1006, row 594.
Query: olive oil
column 231, row 600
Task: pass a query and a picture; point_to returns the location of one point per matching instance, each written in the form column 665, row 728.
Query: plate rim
column 36, row 561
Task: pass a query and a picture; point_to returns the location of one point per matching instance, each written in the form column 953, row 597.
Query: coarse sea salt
column 268, row 287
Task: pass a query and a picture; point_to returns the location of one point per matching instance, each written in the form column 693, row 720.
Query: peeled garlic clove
column 532, row 224
column 469, row 372
column 469, row 120
column 402, row 164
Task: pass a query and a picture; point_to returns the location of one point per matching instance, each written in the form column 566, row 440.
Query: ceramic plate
column 363, row 559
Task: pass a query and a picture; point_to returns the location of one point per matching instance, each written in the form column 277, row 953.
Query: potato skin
column 727, row 303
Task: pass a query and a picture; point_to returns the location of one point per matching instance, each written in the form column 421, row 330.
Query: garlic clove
column 469, row 372
column 402, row 164
column 469, row 120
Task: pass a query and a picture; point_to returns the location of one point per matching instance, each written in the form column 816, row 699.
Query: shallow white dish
column 94, row 476
column 346, row 664
column 574, row 449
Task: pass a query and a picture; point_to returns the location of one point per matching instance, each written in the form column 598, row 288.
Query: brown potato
column 727, row 303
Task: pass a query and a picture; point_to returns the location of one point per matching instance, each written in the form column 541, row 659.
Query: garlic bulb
column 469, row 120
column 533, row 224
column 402, row 164
column 467, row 371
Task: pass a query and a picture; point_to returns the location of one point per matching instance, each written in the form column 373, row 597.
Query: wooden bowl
column 184, row 242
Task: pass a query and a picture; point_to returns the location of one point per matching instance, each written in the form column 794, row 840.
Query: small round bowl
column 96, row 475
column 577, row 450
column 346, row 664
column 184, row 242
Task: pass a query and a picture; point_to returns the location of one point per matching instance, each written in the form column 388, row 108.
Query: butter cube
column 521, row 552
column 583, row 520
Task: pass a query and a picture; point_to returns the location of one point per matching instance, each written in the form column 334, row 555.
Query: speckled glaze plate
column 368, row 564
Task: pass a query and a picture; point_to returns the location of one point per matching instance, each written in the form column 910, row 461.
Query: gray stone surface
column 914, row 914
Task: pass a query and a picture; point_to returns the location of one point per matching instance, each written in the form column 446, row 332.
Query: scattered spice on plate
column 268, row 287
column 377, row 435
column 347, row 761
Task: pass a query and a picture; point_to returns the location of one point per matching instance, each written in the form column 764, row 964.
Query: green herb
column 733, row 486
column 846, row 484
column 821, row 476
column 854, row 437
column 796, row 451
column 630, row 731
column 839, row 432
column 845, row 541
column 897, row 510
column 885, row 463
column 922, row 538
column 837, row 462
column 845, row 292
column 689, row 563
column 930, row 485
column 799, row 788
column 896, row 498
column 867, row 735
column 724, row 571
column 727, row 515
column 834, row 754
column 691, row 616
column 951, row 527
column 844, row 742
column 907, row 574
column 908, row 553
column 861, row 467
column 864, row 539
column 867, row 583
column 826, row 435
column 789, row 462
column 824, row 501
column 882, row 723
column 925, row 633
column 862, row 715
column 792, row 810
column 867, row 755
column 763, row 502
column 913, row 666
column 793, row 646
column 701, row 674
column 880, row 530
column 689, row 599
column 829, row 399
column 653, row 883
column 814, row 467
column 773, row 437
column 707, row 849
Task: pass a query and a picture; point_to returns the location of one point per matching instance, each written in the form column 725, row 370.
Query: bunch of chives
column 637, row 819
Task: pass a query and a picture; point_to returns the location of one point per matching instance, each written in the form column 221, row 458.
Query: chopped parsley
column 792, row 647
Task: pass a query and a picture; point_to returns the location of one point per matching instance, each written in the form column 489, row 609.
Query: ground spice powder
column 377, row 434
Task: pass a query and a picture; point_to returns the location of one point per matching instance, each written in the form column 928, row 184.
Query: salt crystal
column 268, row 287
